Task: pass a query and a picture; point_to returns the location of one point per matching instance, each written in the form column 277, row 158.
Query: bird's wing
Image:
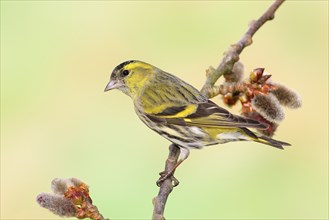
column 203, row 114
column 180, row 103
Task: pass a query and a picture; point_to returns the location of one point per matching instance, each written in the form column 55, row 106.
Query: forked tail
column 271, row 142
column 265, row 140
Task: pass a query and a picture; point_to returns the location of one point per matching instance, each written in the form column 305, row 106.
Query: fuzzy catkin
column 236, row 74
column 287, row 97
column 57, row 204
column 268, row 107
column 59, row 186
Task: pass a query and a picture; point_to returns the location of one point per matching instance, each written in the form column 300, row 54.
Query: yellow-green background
column 56, row 121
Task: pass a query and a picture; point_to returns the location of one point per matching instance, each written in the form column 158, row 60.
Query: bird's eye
column 125, row 73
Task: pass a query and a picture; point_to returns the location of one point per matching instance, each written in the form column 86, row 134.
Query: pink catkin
column 56, row 204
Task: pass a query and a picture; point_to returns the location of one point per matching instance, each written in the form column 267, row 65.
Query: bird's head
column 131, row 77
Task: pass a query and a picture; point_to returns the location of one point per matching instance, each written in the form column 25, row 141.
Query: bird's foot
column 166, row 175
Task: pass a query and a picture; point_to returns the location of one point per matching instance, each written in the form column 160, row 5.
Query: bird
column 179, row 112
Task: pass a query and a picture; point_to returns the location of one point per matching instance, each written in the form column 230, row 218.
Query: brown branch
column 231, row 56
column 167, row 186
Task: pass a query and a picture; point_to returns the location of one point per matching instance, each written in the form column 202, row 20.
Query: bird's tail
column 265, row 140
column 271, row 142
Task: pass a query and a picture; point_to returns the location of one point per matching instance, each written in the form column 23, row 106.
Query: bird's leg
column 172, row 163
column 165, row 175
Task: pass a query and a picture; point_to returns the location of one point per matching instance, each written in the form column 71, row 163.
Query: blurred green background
column 56, row 121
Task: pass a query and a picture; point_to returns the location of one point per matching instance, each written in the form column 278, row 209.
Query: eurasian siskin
column 179, row 112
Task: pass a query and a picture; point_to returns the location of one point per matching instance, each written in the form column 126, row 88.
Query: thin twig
column 231, row 56
column 167, row 186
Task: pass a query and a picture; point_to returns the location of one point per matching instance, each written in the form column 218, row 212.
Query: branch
column 231, row 56
column 167, row 186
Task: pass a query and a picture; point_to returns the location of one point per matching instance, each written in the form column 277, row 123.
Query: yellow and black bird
column 179, row 112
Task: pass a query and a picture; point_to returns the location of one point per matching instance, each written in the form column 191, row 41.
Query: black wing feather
column 225, row 119
column 207, row 114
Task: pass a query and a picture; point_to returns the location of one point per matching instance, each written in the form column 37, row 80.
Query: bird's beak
column 113, row 84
